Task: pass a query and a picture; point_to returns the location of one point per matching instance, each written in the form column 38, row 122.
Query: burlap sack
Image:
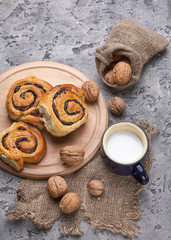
column 132, row 41
column 117, row 209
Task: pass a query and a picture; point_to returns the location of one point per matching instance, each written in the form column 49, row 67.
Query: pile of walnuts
column 120, row 74
column 70, row 201
column 57, row 187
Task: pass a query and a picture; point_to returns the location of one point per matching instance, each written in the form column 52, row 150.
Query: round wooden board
column 88, row 136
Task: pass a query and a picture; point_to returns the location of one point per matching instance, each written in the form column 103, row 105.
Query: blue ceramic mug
column 125, row 146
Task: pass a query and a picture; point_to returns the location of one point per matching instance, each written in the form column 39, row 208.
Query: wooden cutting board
column 88, row 136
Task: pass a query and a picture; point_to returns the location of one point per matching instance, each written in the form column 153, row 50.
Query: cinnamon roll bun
column 23, row 98
column 21, row 143
column 63, row 109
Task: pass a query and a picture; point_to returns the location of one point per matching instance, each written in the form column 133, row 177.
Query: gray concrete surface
column 69, row 32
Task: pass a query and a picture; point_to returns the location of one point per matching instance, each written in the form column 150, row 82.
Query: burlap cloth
column 128, row 39
column 117, row 209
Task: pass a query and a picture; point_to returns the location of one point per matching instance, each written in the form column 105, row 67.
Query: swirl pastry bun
column 23, row 98
column 21, row 143
column 63, row 109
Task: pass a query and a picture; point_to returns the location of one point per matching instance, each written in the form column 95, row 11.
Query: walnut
column 57, row 186
column 72, row 155
column 109, row 78
column 69, row 202
column 95, row 187
column 122, row 72
column 91, row 91
column 116, row 105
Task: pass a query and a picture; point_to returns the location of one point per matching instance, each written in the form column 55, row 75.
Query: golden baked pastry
column 21, row 143
column 63, row 109
column 23, row 98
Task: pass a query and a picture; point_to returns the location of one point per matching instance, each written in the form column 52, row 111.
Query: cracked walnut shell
column 116, row 105
column 122, row 72
column 95, row 187
column 57, row 186
column 69, row 202
column 91, row 90
column 72, row 155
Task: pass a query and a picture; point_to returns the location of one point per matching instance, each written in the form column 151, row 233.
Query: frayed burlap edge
column 127, row 228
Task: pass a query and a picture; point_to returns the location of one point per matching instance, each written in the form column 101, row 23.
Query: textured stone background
column 69, row 32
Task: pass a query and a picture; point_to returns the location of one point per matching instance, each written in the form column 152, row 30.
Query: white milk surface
column 124, row 147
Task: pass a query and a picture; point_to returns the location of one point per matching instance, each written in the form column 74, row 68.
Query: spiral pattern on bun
column 63, row 109
column 21, row 143
column 23, row 98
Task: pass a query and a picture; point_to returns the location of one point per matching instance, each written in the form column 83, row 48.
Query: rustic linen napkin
column 132, row 41
column 116, row 209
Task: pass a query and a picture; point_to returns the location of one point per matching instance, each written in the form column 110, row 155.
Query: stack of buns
column 33, row 103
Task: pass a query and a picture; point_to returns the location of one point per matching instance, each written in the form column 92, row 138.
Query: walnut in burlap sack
column 116, row 209
column 132, row 41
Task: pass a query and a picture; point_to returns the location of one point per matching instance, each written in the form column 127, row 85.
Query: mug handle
column 140, row 174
